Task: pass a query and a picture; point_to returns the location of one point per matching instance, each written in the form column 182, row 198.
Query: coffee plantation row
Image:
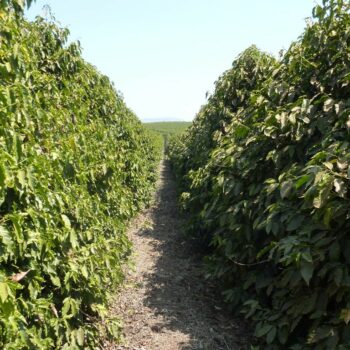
column 264, row 174
column 75, row 166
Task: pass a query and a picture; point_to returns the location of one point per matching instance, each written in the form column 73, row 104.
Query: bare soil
column 166, row 303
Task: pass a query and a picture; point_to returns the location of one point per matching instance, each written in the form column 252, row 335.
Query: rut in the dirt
column 166, row 304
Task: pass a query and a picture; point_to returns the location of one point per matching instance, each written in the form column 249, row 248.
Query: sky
column 165, row 55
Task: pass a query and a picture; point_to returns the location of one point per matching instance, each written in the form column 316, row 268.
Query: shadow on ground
column 176, row 288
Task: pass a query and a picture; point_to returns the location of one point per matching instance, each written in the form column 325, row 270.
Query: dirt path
column 165, row 303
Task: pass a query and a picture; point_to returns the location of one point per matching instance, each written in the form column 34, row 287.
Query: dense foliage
column 265, row 174
column 75, row 165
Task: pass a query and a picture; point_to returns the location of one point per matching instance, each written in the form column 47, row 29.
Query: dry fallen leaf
column 19, row 276
column 54, row 310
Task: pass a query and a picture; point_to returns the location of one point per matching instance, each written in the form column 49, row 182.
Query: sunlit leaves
column 265, row 176
column 75, row 166
column 4, row 291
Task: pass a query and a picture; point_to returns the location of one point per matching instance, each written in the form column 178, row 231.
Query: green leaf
column 66, row 306
column 286, row 188
column 73, row 239
column 262, row 329
column 4, row 291
column 5, row 236
column 302, row 180
column 283, row 335
column 55, row 281
column 80, row 336
column 295, row 223
column 66, row 221
column 323, row 196
column 21, row 176
column 2, row 175
column 306, row 270
column 271, row 335
column 319, row 11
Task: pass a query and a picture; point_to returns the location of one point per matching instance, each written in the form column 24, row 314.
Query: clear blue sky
column 164, row 55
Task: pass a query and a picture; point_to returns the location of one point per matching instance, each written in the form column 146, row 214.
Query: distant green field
column 168, row 128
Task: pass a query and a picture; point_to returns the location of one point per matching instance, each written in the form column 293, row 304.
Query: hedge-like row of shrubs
column 75, row 165
column 265, row 175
